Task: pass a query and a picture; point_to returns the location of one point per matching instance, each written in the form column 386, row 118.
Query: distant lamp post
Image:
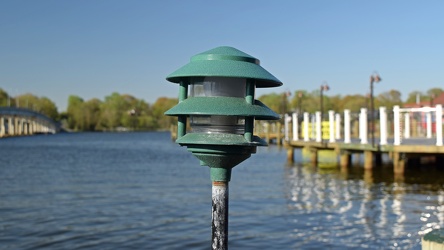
column 285, row 97
column 324, row 87
column 432, row 98
column 222, row 109
column 373, row 78
column 300, row 95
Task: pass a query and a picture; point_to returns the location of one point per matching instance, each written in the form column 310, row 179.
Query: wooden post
column 398, row 163
column 346, row 126
column 313, row 156
column 290, row 154
column 344, row 159
column 278, row 137
column 368, row 159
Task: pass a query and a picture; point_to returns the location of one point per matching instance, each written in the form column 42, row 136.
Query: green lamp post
column 221, row 110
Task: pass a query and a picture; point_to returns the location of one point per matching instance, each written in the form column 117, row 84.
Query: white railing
column 402, row 125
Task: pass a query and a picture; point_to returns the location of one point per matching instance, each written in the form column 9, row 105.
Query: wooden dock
column 402, row 149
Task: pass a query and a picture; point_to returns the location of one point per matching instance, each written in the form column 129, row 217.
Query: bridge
column 21, row 121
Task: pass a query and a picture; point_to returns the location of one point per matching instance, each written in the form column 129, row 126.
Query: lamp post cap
column 225, row 61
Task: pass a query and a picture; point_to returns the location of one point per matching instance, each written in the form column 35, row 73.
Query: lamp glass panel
column 213, row 87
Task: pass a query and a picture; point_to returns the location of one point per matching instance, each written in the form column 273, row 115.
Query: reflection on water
column 334, row 205
column 101, row 191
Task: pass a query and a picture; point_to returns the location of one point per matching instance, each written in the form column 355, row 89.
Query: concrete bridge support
column 10, row 126
column 2, row 127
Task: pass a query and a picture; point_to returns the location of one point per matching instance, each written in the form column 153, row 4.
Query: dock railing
column 394, row 128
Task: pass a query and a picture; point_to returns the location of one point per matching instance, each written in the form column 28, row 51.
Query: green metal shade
column 223, row 106
column 219, row 139
column 225, row 62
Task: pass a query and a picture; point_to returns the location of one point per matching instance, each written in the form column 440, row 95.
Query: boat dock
column 409, row 137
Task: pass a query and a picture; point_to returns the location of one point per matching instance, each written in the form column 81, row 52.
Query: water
column 141, row 191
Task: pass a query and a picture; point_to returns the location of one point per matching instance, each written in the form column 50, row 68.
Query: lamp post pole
column 432, row 97
column 324, row 87
column 373, row 78
column 300, row 102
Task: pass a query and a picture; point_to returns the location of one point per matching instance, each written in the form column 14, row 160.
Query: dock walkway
column 410, row 140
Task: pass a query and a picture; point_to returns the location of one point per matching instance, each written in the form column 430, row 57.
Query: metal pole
column 372, row 117
column 322, row 111
column 219, row 239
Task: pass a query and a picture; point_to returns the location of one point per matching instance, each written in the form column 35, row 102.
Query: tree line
column 125, row 112
column 115, row 112
column 304, row 101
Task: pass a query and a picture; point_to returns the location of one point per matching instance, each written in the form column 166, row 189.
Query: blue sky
column 96, row 47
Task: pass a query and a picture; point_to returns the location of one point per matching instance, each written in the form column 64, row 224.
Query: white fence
column 341, row 125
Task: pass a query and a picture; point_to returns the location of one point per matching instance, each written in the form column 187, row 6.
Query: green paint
column 222, row 151
column 232, row 106
column 225, row 62
column 220, row 174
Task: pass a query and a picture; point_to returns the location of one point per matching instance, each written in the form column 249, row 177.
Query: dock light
column 373, row 78
column 221, row 109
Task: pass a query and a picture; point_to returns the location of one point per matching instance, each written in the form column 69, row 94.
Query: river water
column 142, row 191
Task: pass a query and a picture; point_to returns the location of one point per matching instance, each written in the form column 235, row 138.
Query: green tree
column 40, row 104
column 433, row 93
column 389, row 99
column 354, row 103
column 48, row 108
column 161, row 105
column 413, row 96
column 112, row 110
column 4, row 98
column 76, row 118
column 92, row 114
column 276, row 102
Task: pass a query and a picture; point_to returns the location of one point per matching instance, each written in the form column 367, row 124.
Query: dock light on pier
column 221, row 110
column 324, row 87
column 373, row 78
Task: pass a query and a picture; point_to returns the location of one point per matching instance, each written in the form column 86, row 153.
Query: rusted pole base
column 219, row 239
